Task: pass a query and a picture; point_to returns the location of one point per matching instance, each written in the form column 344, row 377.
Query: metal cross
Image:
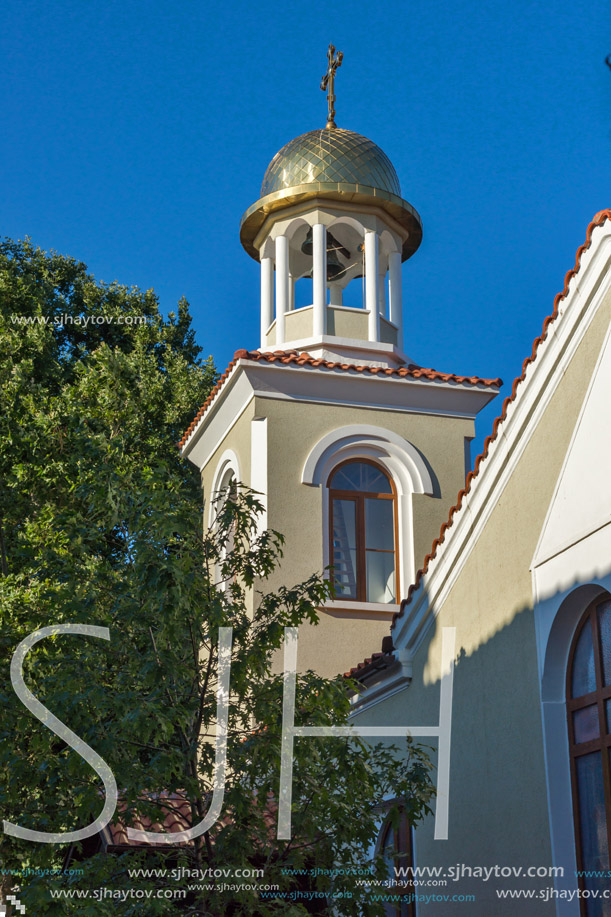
column 328, row 80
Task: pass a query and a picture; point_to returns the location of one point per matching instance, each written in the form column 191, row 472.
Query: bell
column 335, row 269
column 333, row 245
column 307, row 246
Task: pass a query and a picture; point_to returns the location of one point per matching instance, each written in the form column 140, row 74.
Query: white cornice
column 227, row 407
column 352, row 607
column 361, row 389
column 576, row 311
column 320, row 385
column 373, row 695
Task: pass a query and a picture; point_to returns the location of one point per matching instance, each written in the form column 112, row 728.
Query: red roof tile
column 369, row 665
column 598, row 220
column 293, row 357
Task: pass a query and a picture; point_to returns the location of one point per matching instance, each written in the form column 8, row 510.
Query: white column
column 319, row 279
column 395, row 295
column 336, row 295
column 267, row 296
column 282, row 286
column 371, row 284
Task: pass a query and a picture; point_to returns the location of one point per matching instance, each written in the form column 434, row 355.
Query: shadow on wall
column 511, row 798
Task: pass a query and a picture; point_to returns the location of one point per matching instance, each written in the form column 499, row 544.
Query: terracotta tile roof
column 293, row 357
column 377, row 661
column 176, row 811
column 598, row 220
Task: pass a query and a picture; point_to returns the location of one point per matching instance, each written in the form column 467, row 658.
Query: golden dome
column 330, row 155
column 326, row 166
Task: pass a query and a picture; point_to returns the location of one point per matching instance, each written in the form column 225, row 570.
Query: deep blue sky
column 135, row 134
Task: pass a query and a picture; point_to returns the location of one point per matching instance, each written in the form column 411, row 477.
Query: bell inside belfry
column 335, row 268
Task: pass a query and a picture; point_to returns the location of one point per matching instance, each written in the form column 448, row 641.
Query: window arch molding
column 404, row 461
column 401, row 461
column 228, row 463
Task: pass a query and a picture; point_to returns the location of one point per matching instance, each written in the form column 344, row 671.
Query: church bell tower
column 356, row 450
column 331, row 217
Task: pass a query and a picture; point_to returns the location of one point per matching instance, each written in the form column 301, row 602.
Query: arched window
column 224, row 481
column 227, row 489
column 395, row 845
column 589, row 725
column 363, row 532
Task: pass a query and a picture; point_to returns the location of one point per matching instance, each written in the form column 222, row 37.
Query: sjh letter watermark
column 290, row 733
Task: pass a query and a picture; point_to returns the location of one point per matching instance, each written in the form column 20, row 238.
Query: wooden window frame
column 403, row 850
column 359, row 497
column 601, row 744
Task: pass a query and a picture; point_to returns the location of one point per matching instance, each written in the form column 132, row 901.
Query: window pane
column 360, row 476
column 585, row 724
column 604, row 626
column 593, row 824
column 344, row 547
column 608, row 710
column 584, row 676
column 592, row 811
column 379, row 525
column 380, row 576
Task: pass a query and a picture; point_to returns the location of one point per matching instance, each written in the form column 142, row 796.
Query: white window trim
column 403, row 464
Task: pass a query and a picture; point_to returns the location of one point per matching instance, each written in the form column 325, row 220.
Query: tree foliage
column 101, row 523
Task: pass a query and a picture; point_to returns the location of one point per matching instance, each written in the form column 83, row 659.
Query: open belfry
column 355, row 448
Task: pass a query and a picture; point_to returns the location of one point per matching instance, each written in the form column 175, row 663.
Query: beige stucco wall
column 388, row 332
column 348, row 323
column 341, row 639
column 298, row 324
column 498, row 796
column 341, row 321
column 238, row 440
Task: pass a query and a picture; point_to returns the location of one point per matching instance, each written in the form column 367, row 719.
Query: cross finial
column 328, row 80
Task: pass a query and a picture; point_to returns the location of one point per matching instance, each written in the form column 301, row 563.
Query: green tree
column 101, row 523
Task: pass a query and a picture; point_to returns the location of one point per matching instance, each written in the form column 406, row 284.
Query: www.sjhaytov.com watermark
column 62, row 321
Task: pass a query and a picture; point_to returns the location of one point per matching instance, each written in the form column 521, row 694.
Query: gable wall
column 498, row 797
